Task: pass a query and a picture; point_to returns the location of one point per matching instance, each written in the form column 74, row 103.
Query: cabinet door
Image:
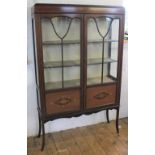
column 61, row 51
column 61, row 42
column 102, row 59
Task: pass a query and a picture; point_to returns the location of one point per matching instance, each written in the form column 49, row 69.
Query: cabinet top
column 80, row 9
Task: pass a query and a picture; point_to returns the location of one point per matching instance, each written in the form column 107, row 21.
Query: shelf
column 58, row 42
column 70, row 63
column 58, row 84
column 92, row 61
column 66, row 63
column 97, row 80
column 76, row 83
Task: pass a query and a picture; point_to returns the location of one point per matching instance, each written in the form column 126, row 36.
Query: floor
column 99, row 139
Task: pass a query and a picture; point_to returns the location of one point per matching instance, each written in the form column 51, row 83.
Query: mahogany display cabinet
column 78, row 60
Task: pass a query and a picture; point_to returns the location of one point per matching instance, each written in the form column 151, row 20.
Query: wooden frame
column 83, row 12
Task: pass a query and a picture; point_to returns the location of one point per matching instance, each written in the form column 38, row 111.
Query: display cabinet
column 78, row 60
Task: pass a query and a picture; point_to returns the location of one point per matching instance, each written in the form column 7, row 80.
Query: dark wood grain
column 82, row 9
column 63, row 101
column 99, row 96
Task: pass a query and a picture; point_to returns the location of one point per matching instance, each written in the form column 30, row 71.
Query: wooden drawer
column 100, row 95
column 64, row 101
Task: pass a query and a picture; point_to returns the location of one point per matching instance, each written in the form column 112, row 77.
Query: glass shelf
column 70, row 63
column 92, row 61
column 58, row 84
column 58, row 42
column 97, row 80
column 66, row 63
column 76, row 82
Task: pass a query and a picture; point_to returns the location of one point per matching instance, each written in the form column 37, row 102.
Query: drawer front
column 100, row 96
column 64, row 101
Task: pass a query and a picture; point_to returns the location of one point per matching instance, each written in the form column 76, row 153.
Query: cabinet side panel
column 39, row 63
column 120, row 57
column 36, row 65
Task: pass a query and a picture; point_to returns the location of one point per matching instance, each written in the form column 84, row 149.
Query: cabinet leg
column 43, row 136
column 39, row 132
column 107, row 115
column 117, row 120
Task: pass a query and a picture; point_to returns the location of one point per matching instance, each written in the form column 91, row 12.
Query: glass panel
column 71, row 76
column 114, row 48
column 58, row 22
column 102, row 50
column 61, row 52
column 103, row 25
column 53, row 78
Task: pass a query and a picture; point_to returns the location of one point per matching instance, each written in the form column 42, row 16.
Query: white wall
column 66, row 123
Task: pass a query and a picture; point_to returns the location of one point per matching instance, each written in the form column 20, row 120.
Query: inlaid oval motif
column 101, row 95
column 63, row 101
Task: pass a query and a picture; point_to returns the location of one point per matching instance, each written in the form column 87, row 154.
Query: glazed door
column 102, row 59
column 61, row 43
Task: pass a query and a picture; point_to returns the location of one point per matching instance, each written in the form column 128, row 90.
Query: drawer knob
column 101, row 95
column 63, row 101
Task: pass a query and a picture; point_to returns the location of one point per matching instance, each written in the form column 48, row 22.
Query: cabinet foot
column 107, row 115
column 39, row 132
column 43, row 136
column 117, row 120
